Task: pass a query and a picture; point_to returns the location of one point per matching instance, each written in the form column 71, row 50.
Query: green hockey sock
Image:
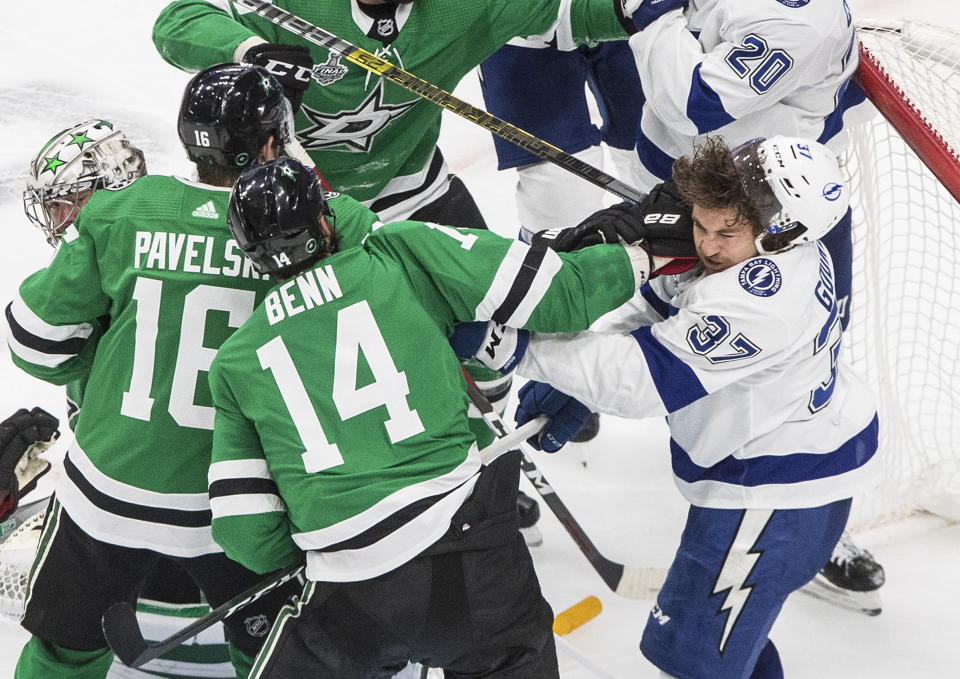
column 41, row 659
column 242, row 662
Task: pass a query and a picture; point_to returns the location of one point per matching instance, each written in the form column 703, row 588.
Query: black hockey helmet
column 227, row 113
column 274, row 214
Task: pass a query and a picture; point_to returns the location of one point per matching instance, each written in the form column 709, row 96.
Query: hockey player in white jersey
column 727, row 67
column 742, row 70
column 770, row 433
column 747, row 69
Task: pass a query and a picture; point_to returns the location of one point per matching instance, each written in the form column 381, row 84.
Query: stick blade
column 122, row 631
column 638, row 582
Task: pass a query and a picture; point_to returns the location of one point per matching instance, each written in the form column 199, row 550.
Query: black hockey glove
column 23, row 436
column 661, row 223
column 291, row 65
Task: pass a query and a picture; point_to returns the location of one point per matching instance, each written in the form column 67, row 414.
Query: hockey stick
column 512, row 439
column 123, row 634
column 431, row 92
column 122, row 630
column 633, row 582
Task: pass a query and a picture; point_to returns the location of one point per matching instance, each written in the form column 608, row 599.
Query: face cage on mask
column 39, row 204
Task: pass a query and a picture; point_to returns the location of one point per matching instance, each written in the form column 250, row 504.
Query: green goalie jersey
column 341, row 425
column 157, row 260
column 371, row 138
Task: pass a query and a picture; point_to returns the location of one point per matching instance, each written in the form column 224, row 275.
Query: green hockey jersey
column 158, row 260
column 341, row 425
column 371, row 138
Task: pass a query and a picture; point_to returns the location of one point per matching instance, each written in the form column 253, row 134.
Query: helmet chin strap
column 771, row 243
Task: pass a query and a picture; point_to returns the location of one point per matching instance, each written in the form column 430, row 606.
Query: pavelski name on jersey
column 191, row 253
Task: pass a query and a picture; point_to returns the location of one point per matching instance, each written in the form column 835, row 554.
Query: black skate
column 850, row 579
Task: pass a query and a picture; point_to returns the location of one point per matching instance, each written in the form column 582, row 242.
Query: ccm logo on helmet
column 832, row 191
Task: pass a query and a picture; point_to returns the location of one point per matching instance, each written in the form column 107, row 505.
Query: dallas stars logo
column 354, row 129
column 288, row 172
column 52, row 164
column 79, row 139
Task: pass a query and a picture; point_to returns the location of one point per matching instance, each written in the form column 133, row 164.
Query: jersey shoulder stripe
column 676, row 382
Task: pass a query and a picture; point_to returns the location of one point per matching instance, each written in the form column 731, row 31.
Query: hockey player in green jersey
column 83, row 158
column 341, row 434
column 74, row 163
column 158, row 260
column 374, row 140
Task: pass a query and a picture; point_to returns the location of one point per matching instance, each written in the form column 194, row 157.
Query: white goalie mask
column 72, row 165
column 797, row 186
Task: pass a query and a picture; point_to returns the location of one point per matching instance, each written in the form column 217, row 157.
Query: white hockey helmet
column 75, row 162
column 797, row 186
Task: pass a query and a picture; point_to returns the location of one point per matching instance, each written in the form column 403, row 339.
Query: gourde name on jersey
column 348, row 113
column 745, row 365
column 324, row 401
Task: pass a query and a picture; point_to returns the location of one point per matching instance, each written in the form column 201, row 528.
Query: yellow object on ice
column 570, row 619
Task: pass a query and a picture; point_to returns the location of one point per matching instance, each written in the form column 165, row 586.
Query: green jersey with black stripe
column 157, row 259
column 341, row 425
column 371, row 138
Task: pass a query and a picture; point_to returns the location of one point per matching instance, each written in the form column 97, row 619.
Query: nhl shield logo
column 385, row 27
column 330, row 71
column 257, row 626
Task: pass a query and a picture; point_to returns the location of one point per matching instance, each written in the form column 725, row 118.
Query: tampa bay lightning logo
column 794, row 3
column 832, row 191
column 760, row 277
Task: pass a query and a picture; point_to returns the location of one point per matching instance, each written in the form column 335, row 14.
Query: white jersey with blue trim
column 743, row 70
column 744, row 364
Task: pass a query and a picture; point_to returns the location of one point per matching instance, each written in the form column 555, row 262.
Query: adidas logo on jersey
column 207, row 211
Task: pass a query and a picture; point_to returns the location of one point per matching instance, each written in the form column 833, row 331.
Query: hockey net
column 905, row 317
column 18, row 545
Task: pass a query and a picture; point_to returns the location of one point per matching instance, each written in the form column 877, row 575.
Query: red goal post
column 880, row 79
column 904, row 333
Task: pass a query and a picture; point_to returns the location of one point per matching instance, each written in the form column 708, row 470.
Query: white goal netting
column 905, row 328
column 18, row 545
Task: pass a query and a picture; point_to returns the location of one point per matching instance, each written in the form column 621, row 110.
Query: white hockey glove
column 24, row 436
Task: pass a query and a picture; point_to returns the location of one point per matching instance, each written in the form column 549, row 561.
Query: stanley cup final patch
column 329, row 71
column 760, row 277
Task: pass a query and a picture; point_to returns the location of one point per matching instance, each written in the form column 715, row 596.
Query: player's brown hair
column 709, row 179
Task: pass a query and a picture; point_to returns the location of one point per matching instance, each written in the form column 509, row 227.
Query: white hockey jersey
column 744, row 69
column 744, row 364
